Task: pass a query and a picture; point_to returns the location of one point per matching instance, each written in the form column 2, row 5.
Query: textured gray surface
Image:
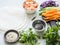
column 17, row 3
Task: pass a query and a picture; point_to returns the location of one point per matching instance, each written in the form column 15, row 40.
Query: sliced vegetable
column 52, row 14
column 47, row 9
column 51, row 11
column 49, row 4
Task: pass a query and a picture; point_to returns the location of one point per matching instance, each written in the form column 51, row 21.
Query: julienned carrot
column 53, row 17
column 49, row 18
column 58, row 13
column 51, row 11
column 53, row 14
column 48, row 15
column 58, row 18
column 43, row 14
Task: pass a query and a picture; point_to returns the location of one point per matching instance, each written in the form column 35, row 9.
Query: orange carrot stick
column 52, row 11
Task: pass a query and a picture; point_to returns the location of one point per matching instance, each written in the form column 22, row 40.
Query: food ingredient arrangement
column 53, row 14
column 30, row 6
column 28, row 37
column 49, row 11
column 49, row 4
column 52, row 36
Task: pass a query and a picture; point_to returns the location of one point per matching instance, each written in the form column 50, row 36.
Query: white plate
column 12, row 18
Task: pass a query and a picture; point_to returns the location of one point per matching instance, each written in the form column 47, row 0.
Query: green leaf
column 28, row 37
column 51, row 35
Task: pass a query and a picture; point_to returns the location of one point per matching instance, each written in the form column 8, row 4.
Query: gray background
column 16, row 3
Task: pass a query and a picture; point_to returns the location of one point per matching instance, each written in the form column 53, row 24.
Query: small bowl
column 39, row 26
column 30, row 10
column 8, row 32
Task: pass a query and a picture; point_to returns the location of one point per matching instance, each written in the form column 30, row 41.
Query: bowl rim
column 11, row 30
column 44, row 29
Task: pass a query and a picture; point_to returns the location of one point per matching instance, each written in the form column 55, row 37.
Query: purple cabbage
column 49, row 4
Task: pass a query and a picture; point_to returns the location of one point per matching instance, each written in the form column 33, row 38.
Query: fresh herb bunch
column 51, row 36
column 28, row 37
column 58, row 24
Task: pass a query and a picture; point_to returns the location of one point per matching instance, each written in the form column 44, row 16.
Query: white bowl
column 30, row 11
column 39, row 31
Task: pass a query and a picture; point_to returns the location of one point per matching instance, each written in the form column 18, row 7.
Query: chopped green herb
column 51, row 36
column 28, row 37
